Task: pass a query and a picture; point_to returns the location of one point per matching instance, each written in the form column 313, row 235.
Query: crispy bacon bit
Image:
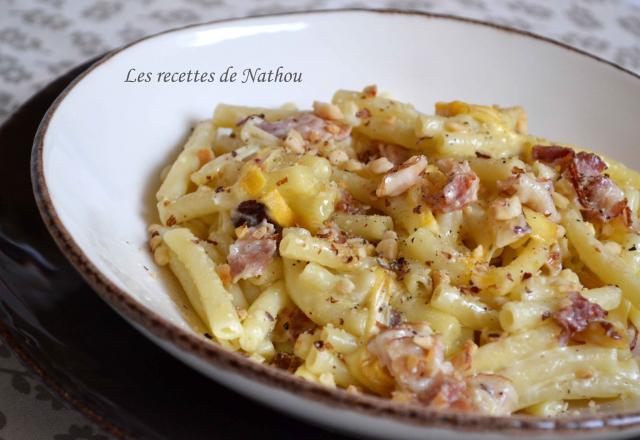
column 285, row 361
column 412, row 354
column 310, row 126
column 532, row 192
column 552, row 154
column 602, row 199
column 577, row 315
column 250, row 213
column 599, row 196
column 251, row 254
column 401, row 178
column 460, row 189
column 587, row 164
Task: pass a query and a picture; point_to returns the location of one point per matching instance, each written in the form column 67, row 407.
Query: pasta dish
column 449, row 260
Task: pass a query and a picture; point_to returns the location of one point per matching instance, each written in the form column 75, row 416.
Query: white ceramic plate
column 100, row 149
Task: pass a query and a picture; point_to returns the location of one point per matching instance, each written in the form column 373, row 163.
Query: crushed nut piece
column 327, row 111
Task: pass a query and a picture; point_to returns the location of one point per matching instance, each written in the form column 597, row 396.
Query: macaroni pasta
column 449, row 260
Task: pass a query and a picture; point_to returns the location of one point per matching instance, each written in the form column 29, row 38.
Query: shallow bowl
column 99, row 151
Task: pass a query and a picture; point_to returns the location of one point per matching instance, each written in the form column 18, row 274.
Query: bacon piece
column 599, row 196
column 604, row 200
column 489, row 394
column 401, row 178
column 552, row 154
column 412, row 354
column 586, row 165
column 577, row 315
column 414, row 357
column 310, row 126
column 460, row 189
column 533, row 192
column 252, row 253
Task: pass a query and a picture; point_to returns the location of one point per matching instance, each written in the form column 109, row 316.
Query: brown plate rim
column 371, row 406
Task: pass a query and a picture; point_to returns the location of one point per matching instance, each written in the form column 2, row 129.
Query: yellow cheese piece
column 278, row 208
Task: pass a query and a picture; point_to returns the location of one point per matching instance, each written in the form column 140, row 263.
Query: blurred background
column 42, row 39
